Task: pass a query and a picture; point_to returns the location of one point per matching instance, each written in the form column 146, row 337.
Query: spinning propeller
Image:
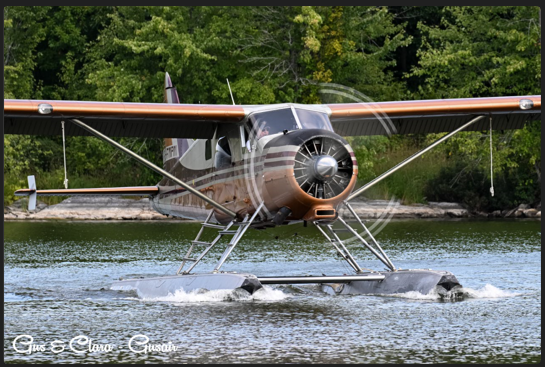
column 323, row 167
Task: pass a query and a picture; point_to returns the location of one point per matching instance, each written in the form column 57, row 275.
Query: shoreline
column 92, row 208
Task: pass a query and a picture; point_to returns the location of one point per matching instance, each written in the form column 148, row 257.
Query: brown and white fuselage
column 297, row 171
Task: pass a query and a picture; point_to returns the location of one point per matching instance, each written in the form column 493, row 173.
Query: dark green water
column 57, row 277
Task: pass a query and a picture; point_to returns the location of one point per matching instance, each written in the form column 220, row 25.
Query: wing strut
column 411, row 158
column 153, row 167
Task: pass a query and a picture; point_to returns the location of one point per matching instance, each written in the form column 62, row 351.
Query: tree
column 270, row 55
column 481, row 51
column 487, row 51
column 23, row 30
column 296, row 48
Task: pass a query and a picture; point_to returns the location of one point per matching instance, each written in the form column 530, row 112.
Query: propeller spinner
column 323, row 167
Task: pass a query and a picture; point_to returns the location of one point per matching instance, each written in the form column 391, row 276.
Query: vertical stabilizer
column 174, row 148
column 33, row 195
column 171, row 94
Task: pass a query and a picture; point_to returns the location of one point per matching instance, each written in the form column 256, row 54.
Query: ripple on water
column 57, row 279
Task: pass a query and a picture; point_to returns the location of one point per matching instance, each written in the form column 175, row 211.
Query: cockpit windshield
column 272, row 122
column 313, row 119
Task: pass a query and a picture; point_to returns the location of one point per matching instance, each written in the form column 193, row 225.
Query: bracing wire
column 491, row 162
column 64, row 156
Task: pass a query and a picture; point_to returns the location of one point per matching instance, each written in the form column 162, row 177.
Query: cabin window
column 208, row 150
column 223, row 153
column 245, row 136
column 313, row 119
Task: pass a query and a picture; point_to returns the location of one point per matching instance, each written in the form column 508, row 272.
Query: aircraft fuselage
column 299, row 173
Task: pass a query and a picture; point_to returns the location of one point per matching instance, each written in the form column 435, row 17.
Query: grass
column 409, row 183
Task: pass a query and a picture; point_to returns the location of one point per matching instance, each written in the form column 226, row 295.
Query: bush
column 470, row 185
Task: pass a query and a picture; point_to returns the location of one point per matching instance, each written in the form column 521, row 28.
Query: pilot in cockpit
column 262, row 131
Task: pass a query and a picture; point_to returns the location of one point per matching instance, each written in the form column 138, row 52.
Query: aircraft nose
column 325, row 167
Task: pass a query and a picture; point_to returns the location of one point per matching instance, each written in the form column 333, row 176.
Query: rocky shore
column 370, row 209
column 85, row 208
column 114, row 208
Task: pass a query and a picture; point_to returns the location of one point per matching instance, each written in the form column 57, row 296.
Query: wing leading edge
column 116, row 119
column 433, row 116
column 104, row 191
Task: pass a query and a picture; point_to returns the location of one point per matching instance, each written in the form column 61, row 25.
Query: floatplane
column 236, row 167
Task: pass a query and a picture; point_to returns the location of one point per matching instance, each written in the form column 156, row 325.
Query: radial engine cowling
column 310, row 172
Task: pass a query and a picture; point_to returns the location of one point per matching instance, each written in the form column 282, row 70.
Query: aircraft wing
column 32, row 193
column 433, row 116
column 103, row 191
column 159, row 120
column 35, row 117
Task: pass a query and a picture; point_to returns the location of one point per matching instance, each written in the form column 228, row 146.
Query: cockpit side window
column 272, row 122
column 313, row 119
column 245, row 136
column 222, row 158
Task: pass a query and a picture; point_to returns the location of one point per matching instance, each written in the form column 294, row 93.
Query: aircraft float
column 236, row 167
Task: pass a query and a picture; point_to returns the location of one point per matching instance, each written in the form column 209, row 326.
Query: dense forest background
column 277, row 55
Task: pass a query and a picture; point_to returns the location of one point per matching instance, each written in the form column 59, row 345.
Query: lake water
column 57, row 277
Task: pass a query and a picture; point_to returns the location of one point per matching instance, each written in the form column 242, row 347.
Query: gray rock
column 530, row 213
column 21, row 206
column 523, row 206
column 116, row 208
column 92, row 208
column 509, row 213
column 445, row 205
column 457, row 213
column 373, row 209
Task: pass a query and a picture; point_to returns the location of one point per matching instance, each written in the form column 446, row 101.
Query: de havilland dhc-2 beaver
column 236, row 167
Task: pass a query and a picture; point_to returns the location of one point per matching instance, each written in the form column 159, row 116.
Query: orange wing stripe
column 431, row 107
column 127, row 110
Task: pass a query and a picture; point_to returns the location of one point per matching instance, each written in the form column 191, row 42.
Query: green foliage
column 377, row 154
column 277, row 55
column 23, row 30
column 131, row 54
column 481, row 51
column 471, row 186
column 370, row 151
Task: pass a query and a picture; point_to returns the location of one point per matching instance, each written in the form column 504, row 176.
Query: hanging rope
column 64, row 154
column 491, row 162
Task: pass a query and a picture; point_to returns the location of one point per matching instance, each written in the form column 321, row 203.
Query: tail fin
column 33, row 195
column 173, row 148
column 171, row 94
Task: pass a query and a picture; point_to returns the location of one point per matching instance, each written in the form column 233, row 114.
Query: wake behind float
column 393, row 281
column 424, row 281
